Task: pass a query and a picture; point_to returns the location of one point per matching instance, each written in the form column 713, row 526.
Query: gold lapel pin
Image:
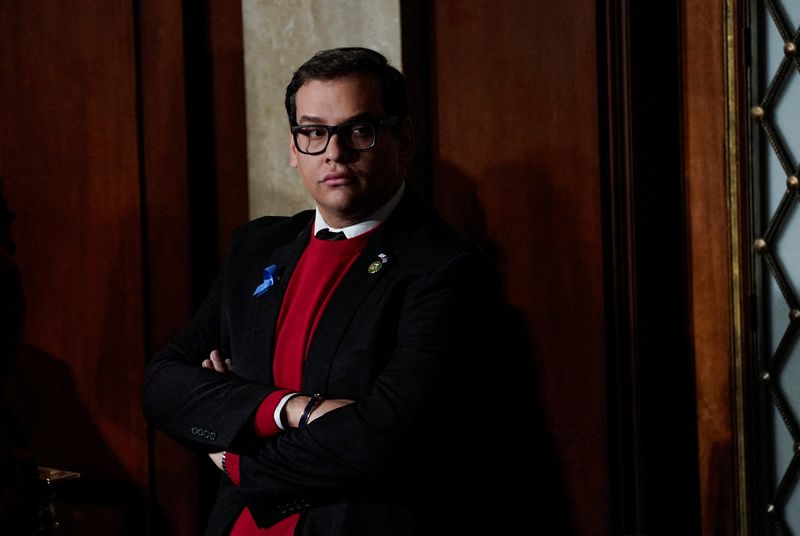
column 377, row 265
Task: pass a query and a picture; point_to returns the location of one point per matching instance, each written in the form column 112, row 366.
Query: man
column 346, row 386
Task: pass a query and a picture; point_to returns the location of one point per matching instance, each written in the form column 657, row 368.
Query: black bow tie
column 327, row 234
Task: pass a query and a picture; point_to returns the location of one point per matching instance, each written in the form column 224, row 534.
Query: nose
column 336, row 149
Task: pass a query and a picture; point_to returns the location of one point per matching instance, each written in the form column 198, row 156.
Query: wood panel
column 230, row 121
column 516, row 164
column 173, row 483
column 706, row 166
column 114, row 239
column 68, row 154
column 654, row 467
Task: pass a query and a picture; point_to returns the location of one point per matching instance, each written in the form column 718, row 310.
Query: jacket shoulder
column 270, row 230
column 417, row 227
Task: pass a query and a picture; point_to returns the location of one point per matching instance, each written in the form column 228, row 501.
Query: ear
column 405, row 135
column 292, row 152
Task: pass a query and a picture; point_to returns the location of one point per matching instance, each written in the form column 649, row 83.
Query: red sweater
column 319, row 271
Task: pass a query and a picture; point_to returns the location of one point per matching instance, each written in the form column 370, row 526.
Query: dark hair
column 347, row 61
column 6, row 217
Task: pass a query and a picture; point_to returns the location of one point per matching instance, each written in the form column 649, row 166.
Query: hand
column 217, row 363
column 294, row 408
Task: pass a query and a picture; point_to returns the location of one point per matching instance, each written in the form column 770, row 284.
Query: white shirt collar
column 375, row 219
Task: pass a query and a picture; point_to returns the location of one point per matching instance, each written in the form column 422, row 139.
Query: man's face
column 349, row 185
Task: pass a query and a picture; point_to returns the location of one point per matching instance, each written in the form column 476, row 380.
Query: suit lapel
column 354, row 288
column 347, row 298
column 269, row 304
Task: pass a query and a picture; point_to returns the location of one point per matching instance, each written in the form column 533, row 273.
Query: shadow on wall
column 55, row 427
column 532, row 468
column 44, row 423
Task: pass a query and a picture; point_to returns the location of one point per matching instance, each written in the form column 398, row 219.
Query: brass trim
column 733, row 77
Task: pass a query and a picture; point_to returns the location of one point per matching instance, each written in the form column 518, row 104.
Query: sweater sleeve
column 266, row 420
column 232, row 467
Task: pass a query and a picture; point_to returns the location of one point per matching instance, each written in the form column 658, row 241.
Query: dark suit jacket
column 413, row 343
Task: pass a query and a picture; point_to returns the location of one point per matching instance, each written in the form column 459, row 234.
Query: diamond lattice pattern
column 778, row 116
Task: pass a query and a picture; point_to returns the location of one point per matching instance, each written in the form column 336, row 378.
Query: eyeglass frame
column 388, row 121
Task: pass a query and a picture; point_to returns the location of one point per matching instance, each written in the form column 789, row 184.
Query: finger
column 219, row 366
column 229, row 364
column 216, row 359
column 207, row 364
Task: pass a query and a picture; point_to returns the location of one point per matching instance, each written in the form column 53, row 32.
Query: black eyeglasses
column 359, row 135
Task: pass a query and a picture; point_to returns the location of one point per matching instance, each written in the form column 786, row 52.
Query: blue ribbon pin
column 269, row 280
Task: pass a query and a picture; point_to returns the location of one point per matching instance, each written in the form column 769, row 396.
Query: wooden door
column 70, row 165
column 121, row 153
column 516, row 164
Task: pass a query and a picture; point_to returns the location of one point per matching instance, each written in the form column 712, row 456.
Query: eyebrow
column 314, row 120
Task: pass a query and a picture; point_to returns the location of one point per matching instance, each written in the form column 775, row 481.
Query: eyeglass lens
column 313, row 139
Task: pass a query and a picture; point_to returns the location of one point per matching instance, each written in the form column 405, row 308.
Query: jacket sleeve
column 414, row 404
column 201, row 408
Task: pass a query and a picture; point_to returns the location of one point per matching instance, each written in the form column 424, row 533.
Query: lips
column 337, row 178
